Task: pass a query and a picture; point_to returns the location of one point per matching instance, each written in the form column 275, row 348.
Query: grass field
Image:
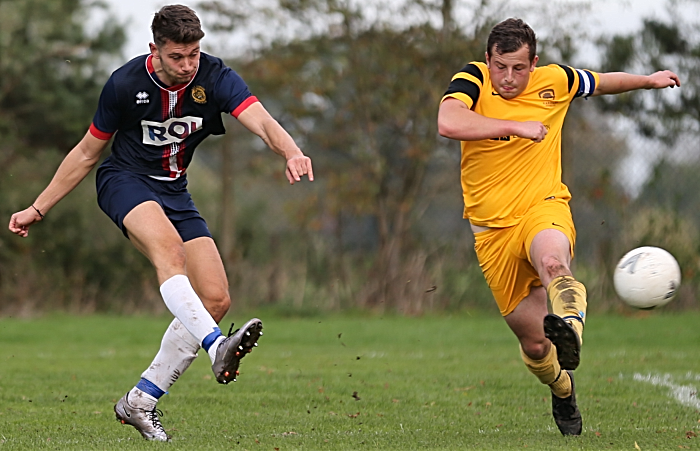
column 353, row 383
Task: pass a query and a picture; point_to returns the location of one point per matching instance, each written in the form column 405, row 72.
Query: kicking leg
column 206, row 271
column 154, row 235
column 550, row 253
column 540, row 358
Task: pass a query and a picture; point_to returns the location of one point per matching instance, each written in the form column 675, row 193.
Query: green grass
column 418, row 383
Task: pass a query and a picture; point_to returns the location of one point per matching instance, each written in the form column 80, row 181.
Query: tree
column 52, row 71
column 52, row 68
column 659, row 45
column 665, row 209
column 363, row 95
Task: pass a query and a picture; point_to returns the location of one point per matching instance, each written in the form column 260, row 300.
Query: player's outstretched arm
column 256, row 119
column 619, row 82
column 456, row 121
column 69, row 174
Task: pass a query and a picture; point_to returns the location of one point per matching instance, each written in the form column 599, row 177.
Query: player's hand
column 20, row 221
column 533, row 130
column 297, row 167
column 664, row 79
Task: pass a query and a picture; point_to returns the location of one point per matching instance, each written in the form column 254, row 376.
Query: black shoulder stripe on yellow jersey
column 464, row 86
column 569, row 75
column 473, row 69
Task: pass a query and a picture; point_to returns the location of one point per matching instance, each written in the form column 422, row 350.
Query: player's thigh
column 150, row 230
column 507, row 271
column 206, row 272
column 549, row 236
column 526, row 322
column 550, row 244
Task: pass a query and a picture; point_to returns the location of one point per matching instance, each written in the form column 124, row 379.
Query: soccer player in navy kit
column 159, row 107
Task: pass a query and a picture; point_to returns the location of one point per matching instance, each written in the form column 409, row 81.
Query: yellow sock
column 562, row 386
column 549, row 372
column 568, row 297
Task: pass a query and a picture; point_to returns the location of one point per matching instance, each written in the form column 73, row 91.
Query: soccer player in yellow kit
column 508, row 114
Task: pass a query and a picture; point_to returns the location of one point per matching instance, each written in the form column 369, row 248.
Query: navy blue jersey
column 158, row 127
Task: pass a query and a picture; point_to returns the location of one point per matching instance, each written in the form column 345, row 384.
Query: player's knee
column 224, row 303
column 217, row 303
column 536, row 350
column 555, row 266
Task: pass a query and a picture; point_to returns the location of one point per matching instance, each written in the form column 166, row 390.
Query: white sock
column 178, row 349
column 212, row 349
column 141, row 399
column 183, row 302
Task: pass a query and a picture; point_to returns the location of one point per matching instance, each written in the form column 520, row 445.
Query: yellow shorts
column 504, row 253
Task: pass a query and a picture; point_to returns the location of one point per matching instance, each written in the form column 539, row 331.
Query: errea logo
column 142, row 97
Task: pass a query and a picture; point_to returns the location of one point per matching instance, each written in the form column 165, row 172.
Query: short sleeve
column 581, row 82
column 232, row 92
column 466, row 85
column 106, row 120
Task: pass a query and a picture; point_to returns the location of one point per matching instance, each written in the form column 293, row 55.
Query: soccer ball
column 647, row 277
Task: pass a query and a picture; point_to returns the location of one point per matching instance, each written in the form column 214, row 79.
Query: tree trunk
column 447, row 19
column 228, row 211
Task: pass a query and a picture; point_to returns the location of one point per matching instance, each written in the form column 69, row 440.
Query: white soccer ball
column 647, row 277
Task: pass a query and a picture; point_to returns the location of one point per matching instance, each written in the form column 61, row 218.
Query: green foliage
column 619, row 53
column 360, row 94
column 659, row 45
column 52, row 71
column 664, row 213
column 76, row 259
column 362, row 99
column 352, row 383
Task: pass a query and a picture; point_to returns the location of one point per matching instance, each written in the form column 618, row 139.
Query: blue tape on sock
column 211, row 338
column 149, row 387
column 577, row 318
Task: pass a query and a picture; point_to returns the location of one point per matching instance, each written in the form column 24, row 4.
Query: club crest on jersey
column 199, row 95
column 548, row 96
column 142, row 97
column 172, row 131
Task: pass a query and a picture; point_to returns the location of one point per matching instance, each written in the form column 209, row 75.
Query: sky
column 614, row 16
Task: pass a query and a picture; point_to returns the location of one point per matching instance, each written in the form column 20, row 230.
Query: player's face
column 179, row 62
column 510, row 72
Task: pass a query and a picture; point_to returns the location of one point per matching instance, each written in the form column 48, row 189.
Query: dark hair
column 176, row 23
column 509, row 36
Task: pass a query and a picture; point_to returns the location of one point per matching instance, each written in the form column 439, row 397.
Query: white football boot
column 145, row 421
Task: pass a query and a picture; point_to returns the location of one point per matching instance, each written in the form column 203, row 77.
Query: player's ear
column 534, row 63
column 154, row 50
column 488, row 61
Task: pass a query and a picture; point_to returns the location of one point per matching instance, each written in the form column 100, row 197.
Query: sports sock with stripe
column 183, row 302
column 568, row 298
column 178, row 349
column 549, row 372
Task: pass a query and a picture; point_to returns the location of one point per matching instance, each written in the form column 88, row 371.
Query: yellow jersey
column 503, row 177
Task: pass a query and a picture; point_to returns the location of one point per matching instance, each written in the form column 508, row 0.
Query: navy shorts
column 119, row 191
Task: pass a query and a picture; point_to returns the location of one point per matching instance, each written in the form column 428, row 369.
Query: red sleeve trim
column 242, row 107
column 99, row 134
